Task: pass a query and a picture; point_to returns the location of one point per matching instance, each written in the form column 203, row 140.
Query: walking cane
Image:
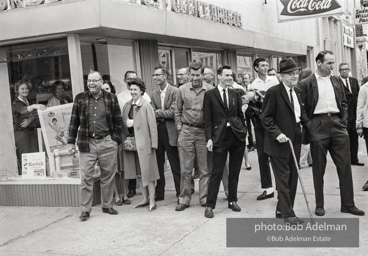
column 300, row 178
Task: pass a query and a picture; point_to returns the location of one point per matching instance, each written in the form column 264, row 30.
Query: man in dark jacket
column 281, row 117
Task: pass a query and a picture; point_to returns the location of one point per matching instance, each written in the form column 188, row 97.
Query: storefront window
column 111, row 57
column 39, row 73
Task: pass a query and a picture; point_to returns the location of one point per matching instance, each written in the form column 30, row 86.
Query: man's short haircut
column 129, row 72
column 138, row 82
column 268, row 71
column 184, row 67
column 163, row 70
column 220, row 69
column 196, row 66
column 246, row 74
column 343, row 64
column 206, row 67
column 321, row 55
column 95, row 71
column 257, row 61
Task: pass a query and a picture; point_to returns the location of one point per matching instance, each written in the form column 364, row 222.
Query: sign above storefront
column 6, row 5
column 304, row 9
column 196, row 8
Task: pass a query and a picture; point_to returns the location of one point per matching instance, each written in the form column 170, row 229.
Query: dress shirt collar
column 164, row 90
column 221, row 89
column 136, row 103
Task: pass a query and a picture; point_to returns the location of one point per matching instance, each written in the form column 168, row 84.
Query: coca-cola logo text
column 308, row 7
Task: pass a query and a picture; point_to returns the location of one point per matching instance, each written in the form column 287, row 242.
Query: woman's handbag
column 129, row 144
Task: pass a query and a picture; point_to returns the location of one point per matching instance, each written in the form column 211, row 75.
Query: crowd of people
column 201, row 128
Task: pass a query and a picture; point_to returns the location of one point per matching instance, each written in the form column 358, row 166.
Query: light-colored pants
column 192, row 145
column 104, row 151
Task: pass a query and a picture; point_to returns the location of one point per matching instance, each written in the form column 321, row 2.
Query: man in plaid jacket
column 97, row 115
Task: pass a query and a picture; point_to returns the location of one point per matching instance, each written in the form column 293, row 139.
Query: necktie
column 347, row 84
column 291, row 98
column 225, row 99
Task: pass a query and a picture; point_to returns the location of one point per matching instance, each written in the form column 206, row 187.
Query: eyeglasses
column 272, row 74
column 155, row 75
column 93, row 80
column 295, row 73
column 345, row 69
column 180, row 74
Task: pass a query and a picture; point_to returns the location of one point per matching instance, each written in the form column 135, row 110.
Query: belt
column 160, row 120
column 97, row 137
column 194, row 125
column 327, row 114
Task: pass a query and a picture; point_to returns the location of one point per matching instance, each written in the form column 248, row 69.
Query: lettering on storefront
column 6, row 5
column 196, row 8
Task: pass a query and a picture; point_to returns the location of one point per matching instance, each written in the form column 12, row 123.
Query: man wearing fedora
column 281, row 116
column 324, row 100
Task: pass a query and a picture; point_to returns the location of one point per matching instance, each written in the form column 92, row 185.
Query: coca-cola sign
column 308, row 7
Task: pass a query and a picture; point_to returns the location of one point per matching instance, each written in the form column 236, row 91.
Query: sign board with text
column 34, row 165
column 289, row 10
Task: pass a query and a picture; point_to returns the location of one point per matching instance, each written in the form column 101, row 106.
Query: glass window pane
column 111, row 57
column 39, row 73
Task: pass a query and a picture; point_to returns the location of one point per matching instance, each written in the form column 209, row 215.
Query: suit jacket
column 216, row 116
column 278, row 117
column 309, row 97
column 351, row 97
column 168, row 112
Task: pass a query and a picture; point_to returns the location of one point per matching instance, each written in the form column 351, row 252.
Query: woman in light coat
column 139, row 119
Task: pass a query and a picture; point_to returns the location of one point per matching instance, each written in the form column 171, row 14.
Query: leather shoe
column 319, row 211
column 181, row 207
column 293, row 221
column 265, row 196
column 365, row 187
column 208, row 213
column 357, row 163
column 234, row 206
column 278, row 215
column 84, row 216
column 126, row 201
column 353, row 210
column 119, row 202
column 131, row 193
column 111, row 211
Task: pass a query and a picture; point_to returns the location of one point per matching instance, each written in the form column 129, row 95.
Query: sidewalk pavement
column 58, row 231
